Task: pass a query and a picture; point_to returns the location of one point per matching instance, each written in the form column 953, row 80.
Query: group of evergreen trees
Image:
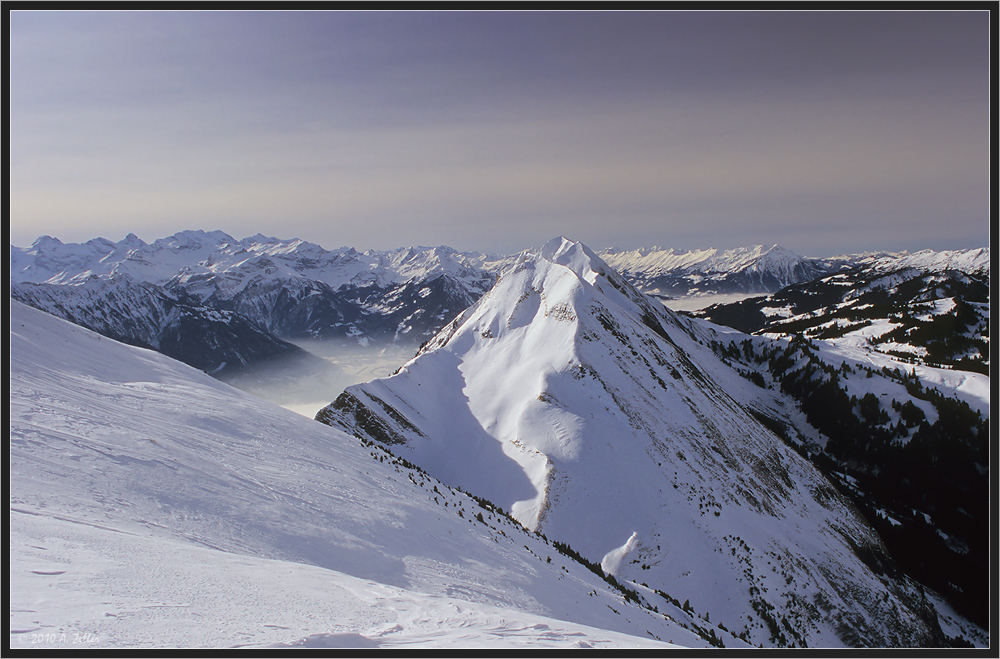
column 924, row 486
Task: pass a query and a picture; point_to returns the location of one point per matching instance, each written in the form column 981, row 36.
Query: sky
column 825, row 132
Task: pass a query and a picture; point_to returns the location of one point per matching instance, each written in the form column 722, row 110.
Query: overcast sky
column 824, row 132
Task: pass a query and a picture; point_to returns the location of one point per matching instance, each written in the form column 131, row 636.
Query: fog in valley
column 307, row 383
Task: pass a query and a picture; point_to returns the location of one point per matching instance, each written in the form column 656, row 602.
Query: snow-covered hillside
column 153, row 506
column 971, row 261
column 909, row 444
column 927, row 307
column 599, row 418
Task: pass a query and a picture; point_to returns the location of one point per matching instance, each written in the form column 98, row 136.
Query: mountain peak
column 132, row 241
column 574, row 255
column 592, row 414
column 45, row 242
column 194, row 239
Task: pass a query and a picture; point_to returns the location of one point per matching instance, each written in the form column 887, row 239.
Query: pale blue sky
column 825, row 132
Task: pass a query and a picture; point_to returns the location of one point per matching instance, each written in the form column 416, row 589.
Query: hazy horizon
column 686, row 248
column 827, row 132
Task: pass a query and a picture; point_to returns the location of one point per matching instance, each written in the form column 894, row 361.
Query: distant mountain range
column 251, row 295
column 256, row 294
column 290, row 288
column 667, row 273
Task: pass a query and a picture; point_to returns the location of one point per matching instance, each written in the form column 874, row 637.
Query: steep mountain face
column 146, row 315
column 153, row 506
column 759, row 269
column 885, row 368
column 406, row 313
column 299, row 290
column 599, row 418
column 928, row 307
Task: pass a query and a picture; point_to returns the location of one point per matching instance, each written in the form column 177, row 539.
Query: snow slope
column 596, row 416
column 153, row 506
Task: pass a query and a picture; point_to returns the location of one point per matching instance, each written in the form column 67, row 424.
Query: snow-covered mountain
column 599, row 418
column 152, row 506
column 668, row 273
column 290, row 288
column 143, row 314
column 222, row 304
column 759, row 270
column 928, row 307
column 553, row 396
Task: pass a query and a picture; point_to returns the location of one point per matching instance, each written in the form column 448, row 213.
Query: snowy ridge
column 748, row 270
column 972, row 261
column 761, row 269
column 292, row 289
column 656, row 260
column 594, row 415
column 153, row 506
column 191, row 257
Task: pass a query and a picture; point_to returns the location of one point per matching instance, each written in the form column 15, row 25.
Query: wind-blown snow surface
column 152, row 506
column 592, row 414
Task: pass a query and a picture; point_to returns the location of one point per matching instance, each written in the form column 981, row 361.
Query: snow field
column 84, row 587
column 153, row 506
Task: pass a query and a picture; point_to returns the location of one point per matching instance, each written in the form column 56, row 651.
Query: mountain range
column 287, row 288
column 258, row 293
column 795, row 482
column 668, row 273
